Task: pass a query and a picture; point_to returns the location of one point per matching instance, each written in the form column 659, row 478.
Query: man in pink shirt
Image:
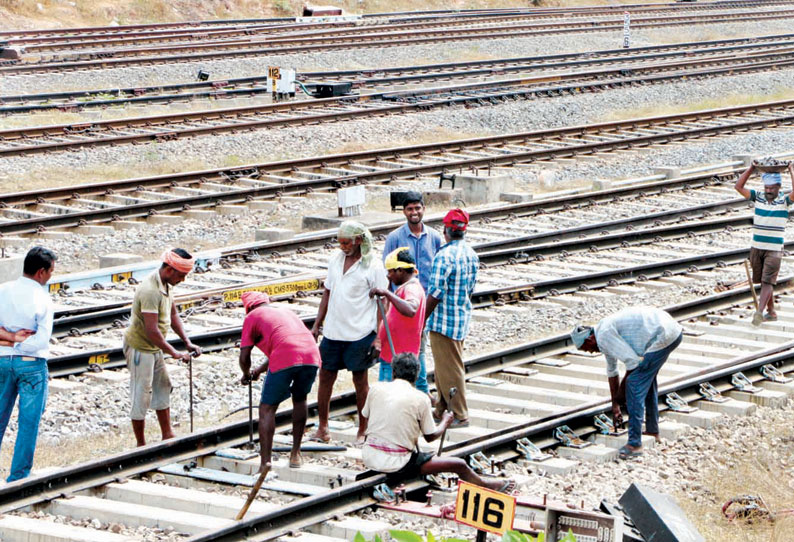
column 292, row 362
column 406, row 312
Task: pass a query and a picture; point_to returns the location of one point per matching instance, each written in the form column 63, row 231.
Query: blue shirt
column 422, row 248
column 631, row 333
column 26, row 305
column 452, row 282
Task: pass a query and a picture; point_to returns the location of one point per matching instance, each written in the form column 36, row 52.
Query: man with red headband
column 153, row 311
column 448, row 313
column 291, row 365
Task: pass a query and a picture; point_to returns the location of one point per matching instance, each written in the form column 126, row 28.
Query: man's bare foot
column 360, row 439
column 320, row 435
column 500, row 484
column 295, row 461
column 167, row 436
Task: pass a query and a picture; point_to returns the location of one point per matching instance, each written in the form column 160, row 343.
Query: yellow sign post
column 484, row 509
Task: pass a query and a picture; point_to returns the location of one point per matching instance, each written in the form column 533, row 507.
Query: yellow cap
column 393, row 263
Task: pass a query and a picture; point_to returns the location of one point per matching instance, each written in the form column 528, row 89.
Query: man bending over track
column 642, row 338
column 292, row 362
column 397, row 415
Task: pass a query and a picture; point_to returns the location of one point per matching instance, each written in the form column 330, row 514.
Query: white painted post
column 626, row 29
column 351, row 200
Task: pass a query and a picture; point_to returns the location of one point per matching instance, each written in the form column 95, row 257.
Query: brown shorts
column 765, row 264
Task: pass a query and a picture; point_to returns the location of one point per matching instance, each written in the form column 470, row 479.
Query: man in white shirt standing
column 27, row 311
column 348, row 318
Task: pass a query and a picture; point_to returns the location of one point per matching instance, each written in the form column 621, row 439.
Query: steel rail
column 160, row 128
column 71, row 479
column 222, row 338
column 322, row 44
column 782, row 117
column 406, row 16
column 511, row 251
column 366, row 78
column 326, row 30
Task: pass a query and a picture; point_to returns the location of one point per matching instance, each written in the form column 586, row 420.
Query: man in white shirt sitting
column 27, row 314
column 397, row 415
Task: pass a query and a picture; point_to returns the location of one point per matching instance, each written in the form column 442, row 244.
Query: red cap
column 458, row 216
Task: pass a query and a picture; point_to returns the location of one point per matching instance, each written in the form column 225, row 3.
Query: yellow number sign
column 484, row 509
column 274, row 289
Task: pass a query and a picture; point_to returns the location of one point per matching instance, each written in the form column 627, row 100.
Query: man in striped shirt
column 769, row 228
column 448, row 312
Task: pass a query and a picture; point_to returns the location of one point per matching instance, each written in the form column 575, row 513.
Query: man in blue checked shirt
column 423, row 242
column 769, row 229
column 27, row 312
column 448, row 313
column 642, row 338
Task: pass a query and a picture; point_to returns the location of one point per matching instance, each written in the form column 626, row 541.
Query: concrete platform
column 199, row 214
column 765, row 397
column 731, row 407
column 134, row 515
column 557, row 466
column 321, row 222
column 165, row 219
column 617, row 442
column 348, row 527
column 591, row 454
column 61, row 385
column 698, row 418
column 19, row 529
column 671, row 430
column 119, row 258
column 783, row 387
column 185, row 500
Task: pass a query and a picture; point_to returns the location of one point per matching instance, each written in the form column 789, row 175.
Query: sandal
column 508, row 487
column 625, row 453
column 459, row 423
column 770, row 317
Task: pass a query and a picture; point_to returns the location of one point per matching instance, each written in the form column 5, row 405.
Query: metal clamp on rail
column 678, row 404
column 480, row 463
column 607, row 426
column 382, row 493
column 742, row 383
column 531, row 451
column 774, row 374
column 710, row 393
column 570, row 439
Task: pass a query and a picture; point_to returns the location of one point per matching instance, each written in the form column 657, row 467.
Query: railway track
column 410, row 75
column 36, row 211
column 234, row 49
column 527, row 391
column 68, row 39
column 38, row 139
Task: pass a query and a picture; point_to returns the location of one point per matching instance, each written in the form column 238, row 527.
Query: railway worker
column 153, row 311
column 398, row 414
column 448, row 313
column 642, row 338
column 423, row 242
column 406, row 312
column 26, row 326
column 348, row 318
column 769, row 225
column 291, row 367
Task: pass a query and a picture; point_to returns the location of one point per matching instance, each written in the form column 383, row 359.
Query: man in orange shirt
column 406, row 313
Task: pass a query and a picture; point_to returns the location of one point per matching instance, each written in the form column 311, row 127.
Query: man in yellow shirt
column 153, row 310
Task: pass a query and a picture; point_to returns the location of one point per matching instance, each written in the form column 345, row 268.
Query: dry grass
column 758, row 472
column 51, row 177
column 728, row 100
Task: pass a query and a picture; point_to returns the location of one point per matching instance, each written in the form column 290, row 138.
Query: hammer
column 452, row 391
